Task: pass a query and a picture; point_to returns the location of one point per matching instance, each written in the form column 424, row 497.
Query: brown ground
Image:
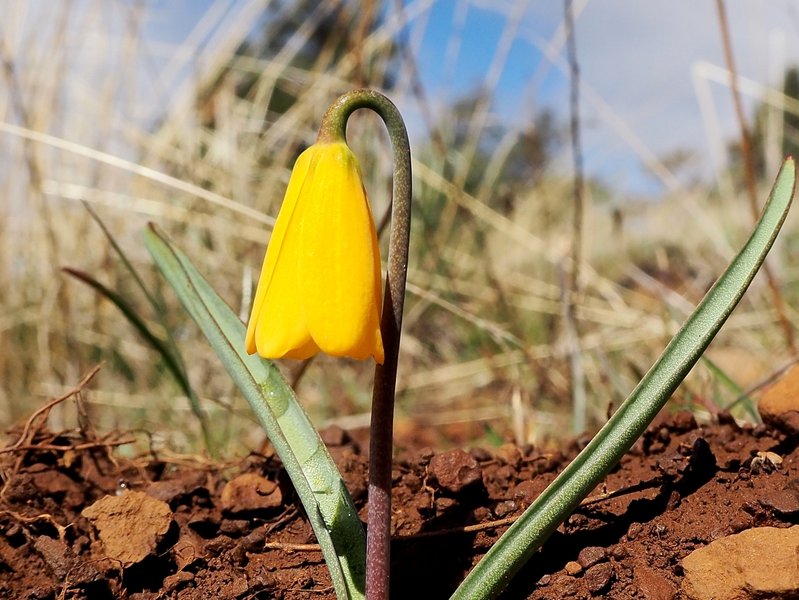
column 184, row 533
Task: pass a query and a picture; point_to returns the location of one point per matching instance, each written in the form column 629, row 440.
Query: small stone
column 784, row 502
column 63, row 562
column 598, row 577
column 652, row 585
column 480, row 454
column 633, row 530
column 779, row 405
column 573, row 568
column 178, row 580
column 234, row 527
column 130, row 526
column 510, row 454
column 591, row 555
column 250, row 491
column 619, row 552
column 171, row 489
column 455, row 471
column 684, row 421
column 504, row 508
column 334, row 436
column 526, row 491
column 443, row 504
column 756, row 563
column 254, row 541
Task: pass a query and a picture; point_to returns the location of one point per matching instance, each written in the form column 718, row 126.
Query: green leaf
column 168, row 352
column 305, row 457
column 167, row 348
column 587, row 470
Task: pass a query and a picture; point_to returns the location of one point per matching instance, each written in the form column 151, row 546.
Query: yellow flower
column 320, row 286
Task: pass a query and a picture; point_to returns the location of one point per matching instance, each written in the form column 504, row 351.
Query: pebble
column 591, row 555
column 573, row 568
column 455, row 471
column 504, row 508
column 633, row 531
column 783, row 502
column 179, row 579
column 779, row 405
column 333, row 436
column 250, row 491
column 756, row 563
column 526, row 491
column 652, row 585
column 684, row 421
column 598, row 577
column 480, row 454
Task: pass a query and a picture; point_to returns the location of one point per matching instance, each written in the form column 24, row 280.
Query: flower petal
column 339, row 260
column 277, row 325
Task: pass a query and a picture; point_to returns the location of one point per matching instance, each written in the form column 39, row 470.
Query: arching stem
column 378, row 533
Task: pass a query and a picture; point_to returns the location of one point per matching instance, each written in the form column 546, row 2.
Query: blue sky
column 647, row 67
column 644, row 66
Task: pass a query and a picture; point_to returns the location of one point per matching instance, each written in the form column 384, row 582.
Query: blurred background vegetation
column 498, row 344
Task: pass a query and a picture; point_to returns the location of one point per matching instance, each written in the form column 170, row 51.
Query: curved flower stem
column 378, row 533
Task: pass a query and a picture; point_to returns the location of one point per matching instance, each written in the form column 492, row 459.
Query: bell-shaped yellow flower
column 320, row 286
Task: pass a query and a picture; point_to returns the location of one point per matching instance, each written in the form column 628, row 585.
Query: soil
column 77, row 521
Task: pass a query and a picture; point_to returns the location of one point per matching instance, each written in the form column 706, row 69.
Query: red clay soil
column 78, row 522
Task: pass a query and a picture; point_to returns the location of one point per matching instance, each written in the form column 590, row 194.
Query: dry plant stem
column 571, row 286
column 747, row 155
column 378, row 532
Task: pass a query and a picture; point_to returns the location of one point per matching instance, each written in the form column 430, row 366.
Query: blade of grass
column 586, row 471
column 740, row 396
column 174, row 361
column 168, row 354
column 306, row 459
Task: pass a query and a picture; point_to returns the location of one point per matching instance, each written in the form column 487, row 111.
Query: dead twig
column 33, row 424
column 747, row 156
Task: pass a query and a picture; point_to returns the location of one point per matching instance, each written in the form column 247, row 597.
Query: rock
column 455, row 470
column 171, row 489
column 591, row 555
column 598, row 577
column 63, row 563
column 178, row 580
column 785, row 501
column 130, row 526
column 504, row 508
column 779, row 405
column 652, row 585
column 756, row 563
column 250, row 491
column 526, row 491
column 573, row 568
column 334, row 436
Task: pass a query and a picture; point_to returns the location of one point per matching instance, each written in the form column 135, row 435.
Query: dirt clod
column 757, row 563
column 779, row 405
column 591, row 555
column 652, row 585
column 573, row 568
column 649, row 514
column 598, row 578
column 130, row 526
column 455, row 470
column 249, row 492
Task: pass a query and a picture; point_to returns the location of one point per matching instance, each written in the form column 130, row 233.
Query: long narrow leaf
column 587, row 470
column 304, row 455
column 168, row 353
